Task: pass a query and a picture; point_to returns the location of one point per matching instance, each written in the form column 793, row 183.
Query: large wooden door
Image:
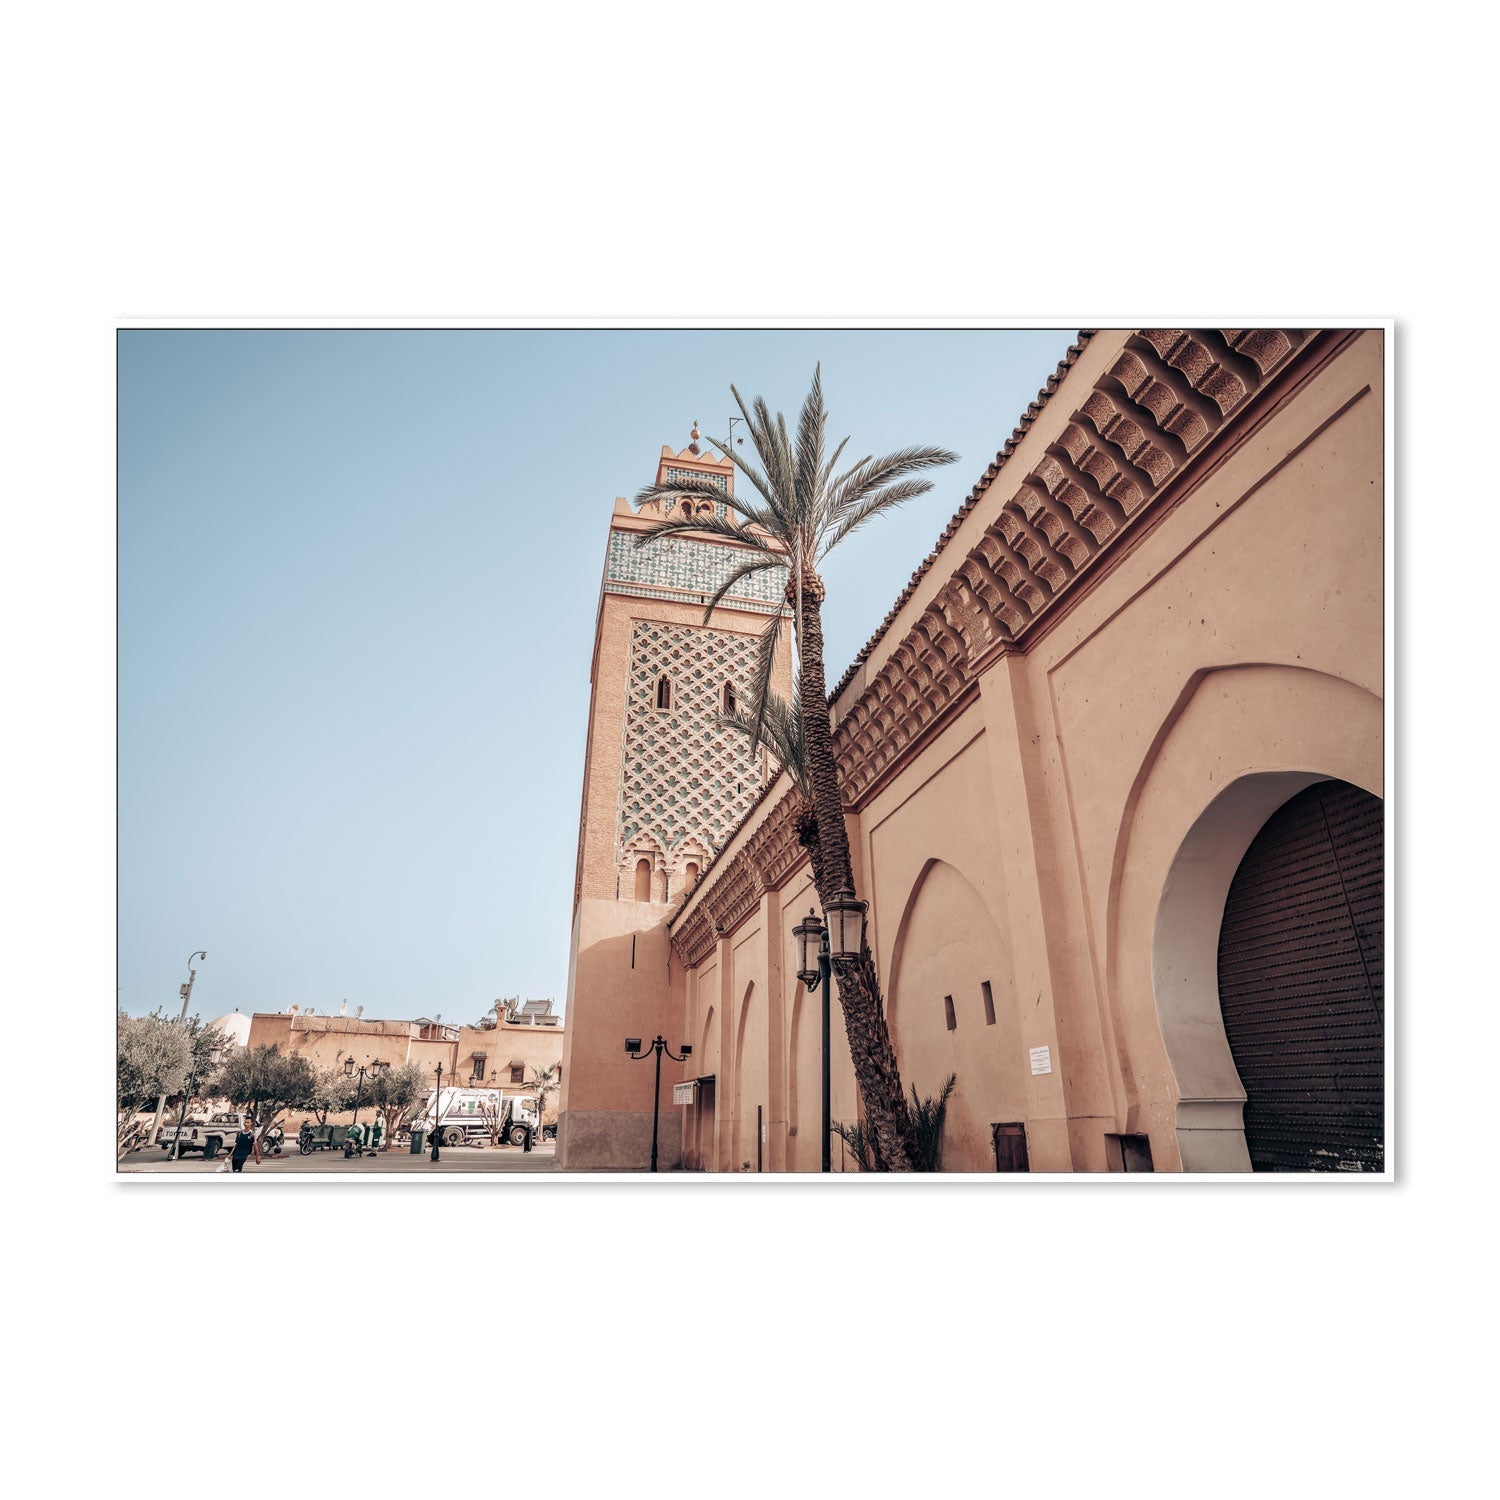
column 1301, row 983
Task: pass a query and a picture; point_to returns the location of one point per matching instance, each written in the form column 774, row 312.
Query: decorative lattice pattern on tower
column 676, row 476
column 685, row 782
column 698, row 568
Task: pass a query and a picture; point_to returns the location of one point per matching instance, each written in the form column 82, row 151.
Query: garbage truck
column 467, row 1116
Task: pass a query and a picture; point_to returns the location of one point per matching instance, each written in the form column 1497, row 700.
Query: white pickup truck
column 209, row 1134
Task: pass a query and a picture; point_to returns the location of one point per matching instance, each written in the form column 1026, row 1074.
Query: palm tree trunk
column 875, row 1067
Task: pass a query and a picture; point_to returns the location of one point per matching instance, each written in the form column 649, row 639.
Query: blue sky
column 358, row 574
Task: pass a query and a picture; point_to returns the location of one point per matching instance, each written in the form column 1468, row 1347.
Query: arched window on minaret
column 726, row 700
column 643, row 880
column 664, row 691
column 690, row 875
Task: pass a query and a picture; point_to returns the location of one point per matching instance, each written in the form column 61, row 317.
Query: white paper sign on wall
column 1041, row 1060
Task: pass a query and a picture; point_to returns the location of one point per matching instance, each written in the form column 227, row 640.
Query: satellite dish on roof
column 359, row 1010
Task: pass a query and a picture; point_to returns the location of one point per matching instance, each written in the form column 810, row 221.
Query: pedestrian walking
column 245, row 1144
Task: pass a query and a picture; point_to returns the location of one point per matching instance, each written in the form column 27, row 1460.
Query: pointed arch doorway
column 1301, row 983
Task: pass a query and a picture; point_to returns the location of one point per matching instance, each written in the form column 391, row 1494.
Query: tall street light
column 633, row 1047
column 186, row 991
column 437, row 1113
column 843, row 937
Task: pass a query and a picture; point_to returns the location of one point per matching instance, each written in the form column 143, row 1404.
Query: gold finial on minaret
column 693, row 447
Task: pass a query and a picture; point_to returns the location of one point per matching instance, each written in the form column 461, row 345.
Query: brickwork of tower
column 664, row 787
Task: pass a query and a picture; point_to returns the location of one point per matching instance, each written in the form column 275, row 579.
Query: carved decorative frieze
column 1142, row 422
column 693, row 937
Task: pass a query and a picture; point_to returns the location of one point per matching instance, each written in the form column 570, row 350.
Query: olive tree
column 267, row 1082
column 155, row 1056
column 395, row 1092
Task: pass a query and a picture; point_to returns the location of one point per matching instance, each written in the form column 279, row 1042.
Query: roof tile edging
column 1033, row 410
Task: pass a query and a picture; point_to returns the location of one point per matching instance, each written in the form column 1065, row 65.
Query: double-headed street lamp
column 437, row 1113
column 349, row 1070
column 633, row 1047
column 364, row 1072
column 817, row 947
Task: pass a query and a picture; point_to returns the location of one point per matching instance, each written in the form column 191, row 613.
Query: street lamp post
column 186, row 991
column 358, row 1097
column 187, row 1090
column 358, row 1087
column 843, row 937
column 633, row 1047
column 437, row 1112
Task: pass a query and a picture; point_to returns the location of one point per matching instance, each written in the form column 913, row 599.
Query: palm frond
column 871, row 474
column 769, row 436
column 713, row 526
column 765, row 479
column 861, row 1143
column 745, row 570
column 762, row 515
column 765, row 662
column 780, row 732
column 810, row 428
column 873, row 505
column 927, row 1118
column 704, row 489
column 831, row 465
column 678, row 489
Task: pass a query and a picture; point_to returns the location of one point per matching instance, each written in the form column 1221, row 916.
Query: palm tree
column 544, row 1081
column 805, row 510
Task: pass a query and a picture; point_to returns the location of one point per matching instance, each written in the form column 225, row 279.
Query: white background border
column 369, row 163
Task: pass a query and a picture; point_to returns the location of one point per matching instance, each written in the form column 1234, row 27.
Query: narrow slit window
column 948, row 1012
column 727, row 699
column 643, row 880
column 664, row 692
column 989, row 1002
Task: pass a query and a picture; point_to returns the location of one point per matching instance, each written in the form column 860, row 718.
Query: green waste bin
column 416, row 1141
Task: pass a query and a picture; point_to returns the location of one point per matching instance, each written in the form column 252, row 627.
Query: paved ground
column 334, row 1164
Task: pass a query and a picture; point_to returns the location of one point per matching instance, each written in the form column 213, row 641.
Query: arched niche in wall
column 744, row 1088
column 948, row 949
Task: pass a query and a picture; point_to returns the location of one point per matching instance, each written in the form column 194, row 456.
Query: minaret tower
column 664, row 786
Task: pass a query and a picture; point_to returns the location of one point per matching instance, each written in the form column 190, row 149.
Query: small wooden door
column 1010, row 1148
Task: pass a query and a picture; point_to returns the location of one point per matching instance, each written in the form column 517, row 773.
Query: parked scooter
column 364, row 1140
